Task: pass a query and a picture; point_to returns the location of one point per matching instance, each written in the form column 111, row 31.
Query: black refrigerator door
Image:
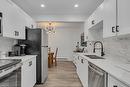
column 33, row 42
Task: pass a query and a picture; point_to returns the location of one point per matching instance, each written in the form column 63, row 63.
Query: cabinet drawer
column 113, row 82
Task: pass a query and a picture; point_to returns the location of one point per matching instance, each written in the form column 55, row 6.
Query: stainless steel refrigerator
column 37, row 44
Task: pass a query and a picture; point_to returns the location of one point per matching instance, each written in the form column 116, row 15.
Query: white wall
column 65, row 39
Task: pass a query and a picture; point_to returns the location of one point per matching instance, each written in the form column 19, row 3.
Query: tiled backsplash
column 6, row 44
column 118, row 48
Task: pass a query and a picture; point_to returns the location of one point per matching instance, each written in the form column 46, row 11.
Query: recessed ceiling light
column 76, row 5
column 42, row 5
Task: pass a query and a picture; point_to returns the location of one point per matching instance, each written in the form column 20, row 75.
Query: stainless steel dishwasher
column 97, row 77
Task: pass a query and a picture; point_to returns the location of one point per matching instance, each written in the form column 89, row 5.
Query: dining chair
column 55, row 57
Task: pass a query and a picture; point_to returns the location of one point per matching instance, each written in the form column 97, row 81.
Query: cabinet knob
column 93, row 22
column 30, row 63
column 16, row 33
column 113, row 29
column 117, row 28
column 115, row 86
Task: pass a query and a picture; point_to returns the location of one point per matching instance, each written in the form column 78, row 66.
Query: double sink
column 94, row 57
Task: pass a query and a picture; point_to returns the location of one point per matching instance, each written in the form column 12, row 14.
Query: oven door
column 12, row 79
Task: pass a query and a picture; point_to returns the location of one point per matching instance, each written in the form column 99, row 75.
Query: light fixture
column 50, row 27
column 42, row 5
column 76, row 5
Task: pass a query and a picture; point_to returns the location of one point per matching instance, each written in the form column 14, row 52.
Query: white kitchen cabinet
column 82, row 71
column 113, row 82
column 86, row 30
column 14, row 20
column 8, row 17
column 109, row 22
column 28, row 73
column 116, row 18
column 96, row 17
column 123, row 16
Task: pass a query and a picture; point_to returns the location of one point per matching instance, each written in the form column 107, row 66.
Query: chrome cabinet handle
column 93, row 22
column 117, row 28
column 113, row 29
column 30, row 63
column 16, row 33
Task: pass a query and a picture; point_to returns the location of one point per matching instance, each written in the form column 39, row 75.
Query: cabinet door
column 19, row 22
column 99, row 14
column 112, row 82
column 25, row 81
column 8, row 17
column 29, row 73
column 123, row 16
column 84, row 72
column 90, row 21
column 109, row 16
column 33, row 70
column 78, row 66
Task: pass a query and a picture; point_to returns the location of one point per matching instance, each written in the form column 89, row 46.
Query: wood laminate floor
column 63, row 75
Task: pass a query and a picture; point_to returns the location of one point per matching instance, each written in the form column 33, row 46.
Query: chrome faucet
column 102, row 52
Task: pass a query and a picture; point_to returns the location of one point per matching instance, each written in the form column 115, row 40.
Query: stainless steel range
column 10, row 73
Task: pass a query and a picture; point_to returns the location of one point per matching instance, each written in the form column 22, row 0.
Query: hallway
column 64, row 75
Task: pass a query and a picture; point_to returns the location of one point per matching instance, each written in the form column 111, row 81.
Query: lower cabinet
column 82, row 70
column 28, row 73
column 113, row 82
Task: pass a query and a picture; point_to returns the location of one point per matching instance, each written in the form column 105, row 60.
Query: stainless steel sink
column 93, row 57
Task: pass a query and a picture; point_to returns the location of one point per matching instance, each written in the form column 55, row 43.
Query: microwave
column 1, row 23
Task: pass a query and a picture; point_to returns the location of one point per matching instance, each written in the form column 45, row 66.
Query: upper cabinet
column 116, row 17
column 14, row 20
column 96, row 17
column 109, row 18
column 123, row 17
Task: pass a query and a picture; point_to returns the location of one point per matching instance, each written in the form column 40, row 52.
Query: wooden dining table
column 50, row 59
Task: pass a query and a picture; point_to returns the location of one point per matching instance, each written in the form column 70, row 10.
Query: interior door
column 123, row 16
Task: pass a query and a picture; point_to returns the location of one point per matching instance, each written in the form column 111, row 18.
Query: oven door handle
column 96, row 71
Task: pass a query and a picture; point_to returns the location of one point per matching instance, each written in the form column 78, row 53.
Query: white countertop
column 23, row 58
column 112, row 68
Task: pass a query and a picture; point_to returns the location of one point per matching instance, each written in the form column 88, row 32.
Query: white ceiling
column 58, row 8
